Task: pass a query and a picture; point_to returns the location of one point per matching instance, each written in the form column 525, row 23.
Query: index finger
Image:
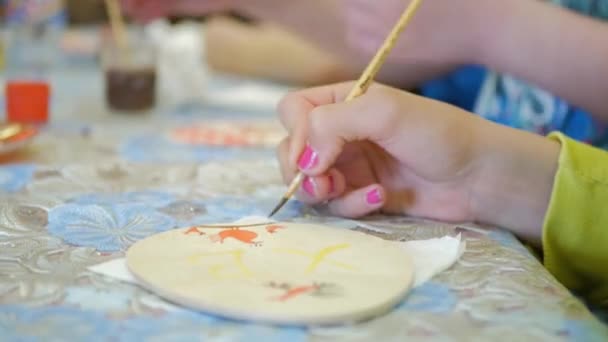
column 295, row 107
column 299, row 103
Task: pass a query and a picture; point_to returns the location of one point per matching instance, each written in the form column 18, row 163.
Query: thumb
column 373, row 117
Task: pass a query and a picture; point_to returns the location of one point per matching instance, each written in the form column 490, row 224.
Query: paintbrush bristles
column 365, row 81
column 293, row 187
column 276, row 209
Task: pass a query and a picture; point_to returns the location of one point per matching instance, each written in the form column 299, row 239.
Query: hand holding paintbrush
column 363, row 83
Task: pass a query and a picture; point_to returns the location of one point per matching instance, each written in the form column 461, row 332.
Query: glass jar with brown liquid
column 130, row 77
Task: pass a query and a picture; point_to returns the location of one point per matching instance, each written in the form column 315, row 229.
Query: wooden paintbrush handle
column 117, row 23
column 367, row 78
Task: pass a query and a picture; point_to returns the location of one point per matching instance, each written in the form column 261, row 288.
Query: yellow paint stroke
column 216, row 270
column 319, row 257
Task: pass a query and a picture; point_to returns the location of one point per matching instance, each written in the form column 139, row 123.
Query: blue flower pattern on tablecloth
column 194, row 326
column 112, row 222
column 430, row 297
column 15, row 177
column 228, row 209
column 92, row 299
column 579, row 330
column 155, row 199
column 224, row 209
column 159, row 149
column 19, row 323
column 108, row 228
column 506, row 239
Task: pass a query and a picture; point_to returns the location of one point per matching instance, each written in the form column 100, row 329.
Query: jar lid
column 27, row 101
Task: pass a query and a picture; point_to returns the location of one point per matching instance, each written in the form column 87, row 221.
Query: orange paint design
column 242, row 235
column 318, row 290
column 216, row 136
column 297, row 291
column 273, row 228
column 193, row 230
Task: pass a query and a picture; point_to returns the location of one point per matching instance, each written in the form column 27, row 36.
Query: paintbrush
column 117, row 24
column 363, row 83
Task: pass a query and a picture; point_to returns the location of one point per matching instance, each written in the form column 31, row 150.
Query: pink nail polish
column 308, row 159
column 332, row 187
column 373, row 197
column 309, row 186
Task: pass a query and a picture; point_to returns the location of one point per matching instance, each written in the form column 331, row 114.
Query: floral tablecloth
column 93, row 183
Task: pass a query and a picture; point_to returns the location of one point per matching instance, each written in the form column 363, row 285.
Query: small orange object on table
column 27, row 101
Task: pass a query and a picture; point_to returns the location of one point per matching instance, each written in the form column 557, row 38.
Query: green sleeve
column 575, row 231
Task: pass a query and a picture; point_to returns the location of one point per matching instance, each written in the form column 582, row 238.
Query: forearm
column 316, row 20
column 554, row 48
column 514, row 185
column 322, row 23
column 550, row 192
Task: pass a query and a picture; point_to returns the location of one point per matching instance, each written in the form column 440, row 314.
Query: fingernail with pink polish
column 309, row 186
column 308, row 159
column 374, row 197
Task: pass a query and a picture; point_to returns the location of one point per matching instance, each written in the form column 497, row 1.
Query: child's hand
column 396, row 152
column 386, row 150
column 445, row 31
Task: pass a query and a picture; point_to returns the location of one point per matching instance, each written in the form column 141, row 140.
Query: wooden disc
column 284, row 273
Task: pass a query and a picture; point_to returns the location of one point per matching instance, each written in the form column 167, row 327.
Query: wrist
column 515, row 180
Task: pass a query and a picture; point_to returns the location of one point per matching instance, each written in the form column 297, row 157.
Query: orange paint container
column 27, row 101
